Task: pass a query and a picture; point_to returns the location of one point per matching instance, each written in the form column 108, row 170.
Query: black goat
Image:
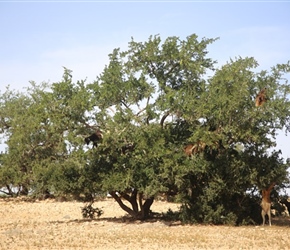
column 127, row 148
column 95, row 138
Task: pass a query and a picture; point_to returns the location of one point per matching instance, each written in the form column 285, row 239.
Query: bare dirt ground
column 59, row 225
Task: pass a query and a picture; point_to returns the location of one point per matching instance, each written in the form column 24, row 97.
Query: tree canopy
column 150, row 102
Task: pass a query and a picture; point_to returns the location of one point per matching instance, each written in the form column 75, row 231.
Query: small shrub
column 88, row 211
column 171, row 215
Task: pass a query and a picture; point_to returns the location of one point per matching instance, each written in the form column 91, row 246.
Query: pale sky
column 38, row 38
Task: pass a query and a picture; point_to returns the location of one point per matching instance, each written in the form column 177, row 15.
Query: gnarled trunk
column 140, row 207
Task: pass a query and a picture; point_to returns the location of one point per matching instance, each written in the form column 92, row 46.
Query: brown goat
column 261, row 98
column 266, row 203
column 191, row 149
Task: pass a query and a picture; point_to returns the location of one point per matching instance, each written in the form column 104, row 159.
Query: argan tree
column 150, row 102
column 44, row 129
column 156, row 96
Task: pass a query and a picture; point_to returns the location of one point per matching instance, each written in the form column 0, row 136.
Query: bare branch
column 163, row 118
column 125, row 104
column 173, row 67
column 147, row 103
column 121, row 204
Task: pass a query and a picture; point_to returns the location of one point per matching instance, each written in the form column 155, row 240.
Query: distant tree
column 44, row 129
column 13, row 108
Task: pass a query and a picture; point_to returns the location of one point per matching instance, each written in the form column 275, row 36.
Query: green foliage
column 149, row 102
column 43, row 127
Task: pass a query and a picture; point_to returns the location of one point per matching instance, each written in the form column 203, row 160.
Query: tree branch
column 125, row 104
column 163, row 118
column 122, row 205
column 173, row 67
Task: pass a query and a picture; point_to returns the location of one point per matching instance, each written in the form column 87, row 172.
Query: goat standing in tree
column 191, row 149
column 261, row 98
column 266, row 203
column 95, row 138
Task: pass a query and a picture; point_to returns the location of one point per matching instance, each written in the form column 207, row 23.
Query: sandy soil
column 59, row 225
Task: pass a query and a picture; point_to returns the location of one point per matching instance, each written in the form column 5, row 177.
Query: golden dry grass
column 59, row 225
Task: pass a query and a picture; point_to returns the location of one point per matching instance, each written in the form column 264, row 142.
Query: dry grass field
column 59, row 225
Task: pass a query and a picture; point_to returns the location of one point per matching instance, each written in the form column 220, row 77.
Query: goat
column 266, row 203
column 98, row 136
column 188, row 149
column 191, row 149
column 261, row 98
column 127, row 148
column 95, row 138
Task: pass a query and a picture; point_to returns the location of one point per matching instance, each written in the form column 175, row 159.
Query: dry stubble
column 59, row 225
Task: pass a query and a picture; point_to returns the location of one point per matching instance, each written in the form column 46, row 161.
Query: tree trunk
column 143, row 213
column 132, row 199
column 23, row 190
column 145, row 208
column 122, row 205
